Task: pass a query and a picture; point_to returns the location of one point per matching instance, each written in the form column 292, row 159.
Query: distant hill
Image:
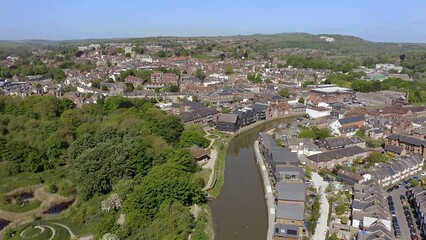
column 346, row 45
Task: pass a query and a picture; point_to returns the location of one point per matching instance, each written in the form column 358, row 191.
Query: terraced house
column 290, row 189
column 397, row 169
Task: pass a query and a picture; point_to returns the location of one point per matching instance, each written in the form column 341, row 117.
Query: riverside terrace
column 289, row 189
column 342, row 156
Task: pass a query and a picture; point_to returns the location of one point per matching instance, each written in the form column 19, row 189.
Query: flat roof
column 332, row 89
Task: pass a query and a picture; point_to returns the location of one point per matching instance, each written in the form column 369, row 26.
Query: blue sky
column 376, row 20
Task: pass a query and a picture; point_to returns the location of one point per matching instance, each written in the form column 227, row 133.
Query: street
column 405, row 231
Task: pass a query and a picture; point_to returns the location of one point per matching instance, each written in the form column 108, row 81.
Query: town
column 348, row 163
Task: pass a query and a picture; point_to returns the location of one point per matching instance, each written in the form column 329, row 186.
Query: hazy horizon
column 377, row 21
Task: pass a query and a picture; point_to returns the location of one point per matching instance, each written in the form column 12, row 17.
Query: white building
column 317, row 112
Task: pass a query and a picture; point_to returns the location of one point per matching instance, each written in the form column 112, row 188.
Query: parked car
column 415, row 237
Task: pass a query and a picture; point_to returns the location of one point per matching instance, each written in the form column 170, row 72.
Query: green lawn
column 204, row 174
column 9, row 183
column 28, row 206
column 29, row 232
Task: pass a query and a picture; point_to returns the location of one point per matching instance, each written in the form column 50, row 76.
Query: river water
column 240, row 210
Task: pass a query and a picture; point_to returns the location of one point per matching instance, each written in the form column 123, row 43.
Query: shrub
column 344, row 220
column 53, row 188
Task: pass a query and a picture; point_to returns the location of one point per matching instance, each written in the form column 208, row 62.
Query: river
column 240, row 210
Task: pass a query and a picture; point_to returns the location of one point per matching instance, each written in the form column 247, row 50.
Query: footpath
column 269, row 197
column 321, row 229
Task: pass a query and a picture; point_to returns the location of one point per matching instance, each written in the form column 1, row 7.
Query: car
column 415, row 237
column 416, row 177
column 402, row 197
column 397, row 233
column 423, row 174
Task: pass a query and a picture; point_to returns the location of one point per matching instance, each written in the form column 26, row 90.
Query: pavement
column 270, row 199
column 321, row 229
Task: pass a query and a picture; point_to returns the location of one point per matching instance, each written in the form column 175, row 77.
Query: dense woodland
column 117, row 146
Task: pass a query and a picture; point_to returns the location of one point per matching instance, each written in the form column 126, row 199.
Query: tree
column 139, row 50
column 97, row 169
column 161, row 54
column 129, row 87
column 301, row 100
column 173, row 221
column 284, row 92
column 414, row 183
column 163, row 182
column 169, row 127
column 307, row 133
column 229, row 70
column 193, row 136
column 256, row 78
column 360, row 133
column 344, row 220
column 333, row 237
column 174, row 88
column 200, row 74
column 341, row 208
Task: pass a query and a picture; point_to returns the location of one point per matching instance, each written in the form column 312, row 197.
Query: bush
column 344, row 220
column 19, row 200
column 53, row 188
column 340, row 209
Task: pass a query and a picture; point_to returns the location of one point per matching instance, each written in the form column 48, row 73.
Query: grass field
column 42, row 230
column 10, row 183
column 204, row 174
column 28, row 206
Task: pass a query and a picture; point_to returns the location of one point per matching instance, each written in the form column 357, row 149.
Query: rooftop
column 290, row 211
column 291, row 191
column 337, row 154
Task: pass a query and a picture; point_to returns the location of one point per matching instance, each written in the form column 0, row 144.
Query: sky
column 374, row 20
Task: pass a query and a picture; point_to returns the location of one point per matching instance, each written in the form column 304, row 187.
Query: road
column 321, row 229
column 270, row 199
column 405, row 231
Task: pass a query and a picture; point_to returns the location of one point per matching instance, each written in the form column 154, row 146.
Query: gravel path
column 321, row 229
column 67, row 228
column 210, row 165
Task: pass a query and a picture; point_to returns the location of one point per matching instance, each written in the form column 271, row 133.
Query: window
column 291, row 232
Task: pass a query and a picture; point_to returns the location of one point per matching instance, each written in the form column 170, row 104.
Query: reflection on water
column 58, row 208
column 3, row 223
column 240, row 210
